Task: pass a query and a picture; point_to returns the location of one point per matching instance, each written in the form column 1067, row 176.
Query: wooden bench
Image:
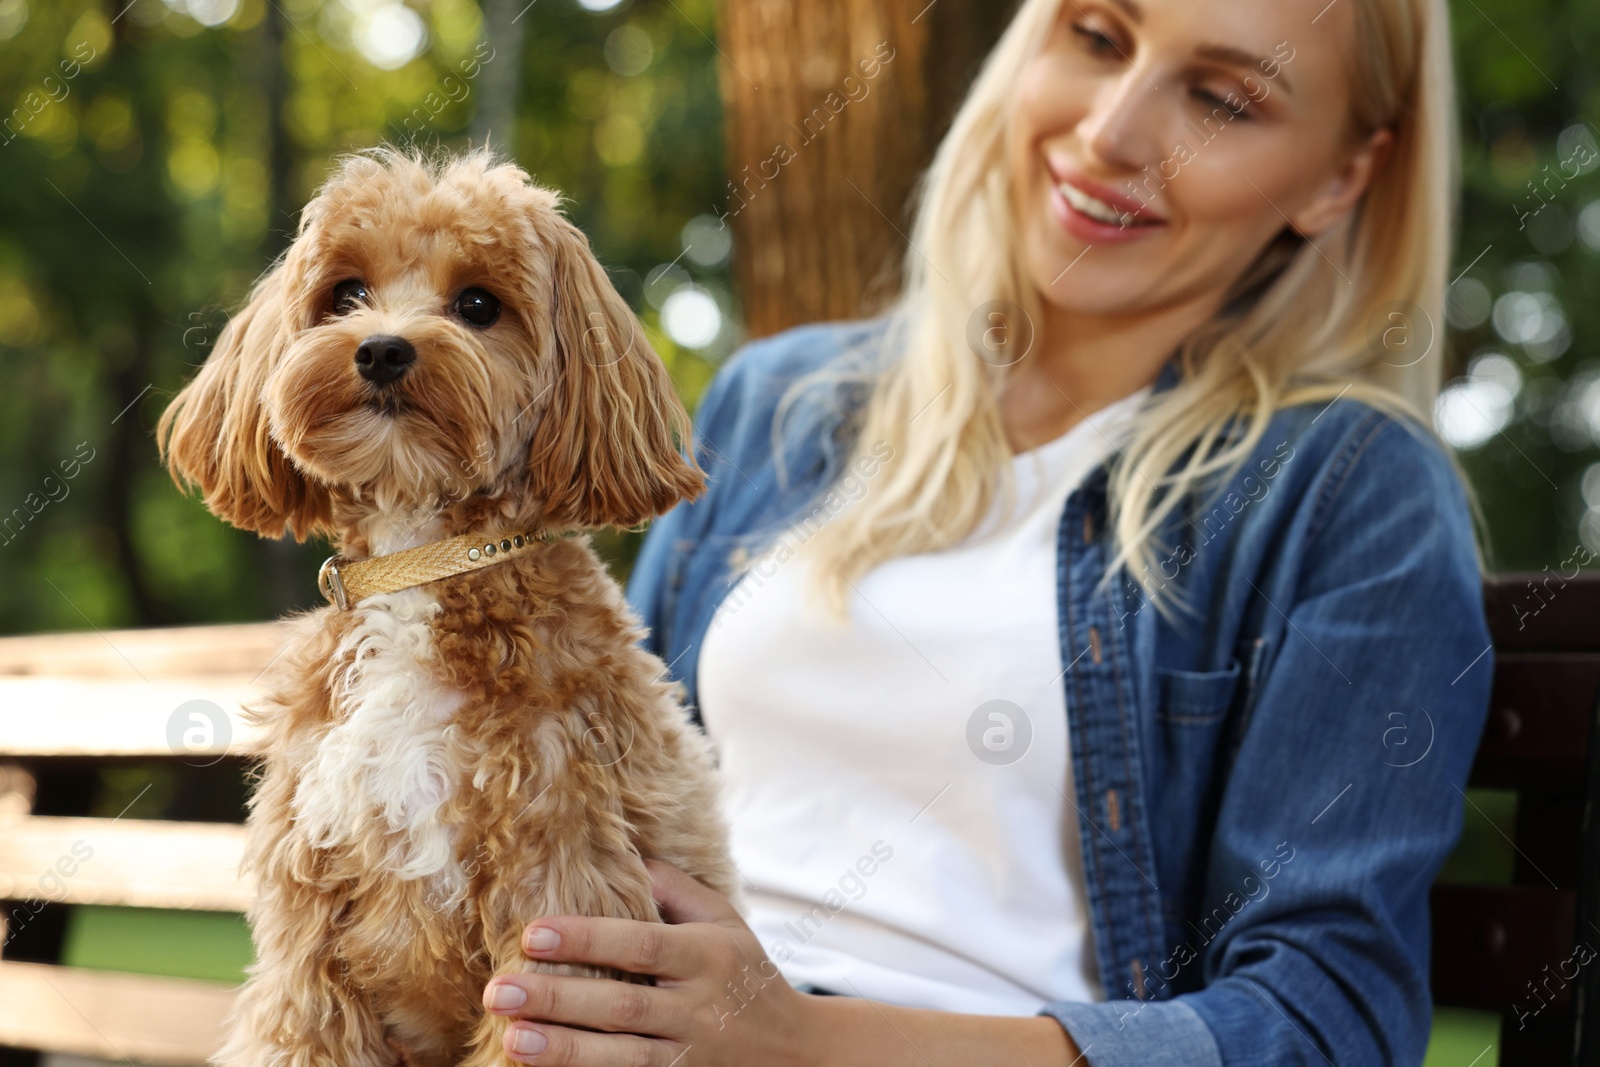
column 76, row 702
column 92, row 699
column 1519, row 949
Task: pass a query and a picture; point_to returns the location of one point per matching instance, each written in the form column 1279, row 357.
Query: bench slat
column 125, row 655
column 1491, row 941
column 1537, row 733
column 104, row 717
column 1543, row 612
column 174, row 1021
column 127, row 862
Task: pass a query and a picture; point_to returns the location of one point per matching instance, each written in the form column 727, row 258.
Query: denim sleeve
column 1162, row 1034
column 1345, row 795
column 647, row 591
column 648, row 579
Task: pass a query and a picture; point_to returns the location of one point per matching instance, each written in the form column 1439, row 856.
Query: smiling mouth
column 1099, row 210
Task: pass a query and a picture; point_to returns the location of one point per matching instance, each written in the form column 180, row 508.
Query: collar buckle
column 331, row 585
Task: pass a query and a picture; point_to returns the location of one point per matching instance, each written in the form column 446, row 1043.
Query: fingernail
column 542, row 939
column 528, row 1042
column 505, row 996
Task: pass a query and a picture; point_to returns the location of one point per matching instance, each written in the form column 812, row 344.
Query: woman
column 1093, row 645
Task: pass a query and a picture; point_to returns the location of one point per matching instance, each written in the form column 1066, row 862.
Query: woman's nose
column 1122, row 126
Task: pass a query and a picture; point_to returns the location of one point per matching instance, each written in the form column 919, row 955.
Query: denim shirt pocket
column 1198, row 698
column 1191, row 708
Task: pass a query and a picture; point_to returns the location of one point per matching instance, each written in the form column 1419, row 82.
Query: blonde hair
column 1293, row 331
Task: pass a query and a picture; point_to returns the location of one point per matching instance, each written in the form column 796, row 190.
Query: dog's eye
column 478, row 307
column 349, row 295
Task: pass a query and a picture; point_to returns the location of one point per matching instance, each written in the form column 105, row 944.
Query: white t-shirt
column 898, row 787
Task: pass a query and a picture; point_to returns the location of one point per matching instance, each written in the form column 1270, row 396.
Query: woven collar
column 344, row 582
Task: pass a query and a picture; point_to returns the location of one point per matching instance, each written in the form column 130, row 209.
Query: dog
column 438, row 376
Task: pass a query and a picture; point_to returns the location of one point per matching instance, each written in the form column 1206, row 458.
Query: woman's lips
column 1096, row 213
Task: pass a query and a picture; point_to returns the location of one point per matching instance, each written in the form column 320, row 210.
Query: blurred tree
column 834, row 109
column 1523, row 323
column 497, row 101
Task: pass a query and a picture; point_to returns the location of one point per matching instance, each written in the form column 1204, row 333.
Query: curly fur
column 446, row 763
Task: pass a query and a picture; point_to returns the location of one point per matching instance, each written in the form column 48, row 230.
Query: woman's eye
column 1226, row 100
column 1097, row 43
column 478, row 307
column 349, row 295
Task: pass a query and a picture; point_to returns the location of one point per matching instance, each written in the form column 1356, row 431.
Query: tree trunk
column 280, row 570
column 494, row 118
column 834, row 108
column 272, row 76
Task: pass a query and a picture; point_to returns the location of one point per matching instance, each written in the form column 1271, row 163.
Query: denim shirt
column 1267, row 785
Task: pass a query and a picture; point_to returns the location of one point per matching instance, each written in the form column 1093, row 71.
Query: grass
column 182, row 944
column 1464, row 1039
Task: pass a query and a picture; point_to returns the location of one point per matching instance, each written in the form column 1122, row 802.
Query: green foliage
column 1529, row 101
column 153, row 166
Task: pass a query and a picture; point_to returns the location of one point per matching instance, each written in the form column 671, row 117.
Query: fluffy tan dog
column 439, row 354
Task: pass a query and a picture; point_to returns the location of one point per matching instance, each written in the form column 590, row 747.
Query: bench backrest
column 1520, row 949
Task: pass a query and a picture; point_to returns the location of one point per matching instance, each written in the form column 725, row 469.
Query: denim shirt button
column 677, row 563
column 738, row 557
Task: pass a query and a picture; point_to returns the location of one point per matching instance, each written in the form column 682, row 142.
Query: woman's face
column 1156, row 146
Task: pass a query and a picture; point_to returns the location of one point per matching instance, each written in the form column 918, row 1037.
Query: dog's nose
column 383, row 358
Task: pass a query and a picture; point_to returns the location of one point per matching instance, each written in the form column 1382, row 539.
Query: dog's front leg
column 299, row 1007
column 488, row 1040
column 619, row 887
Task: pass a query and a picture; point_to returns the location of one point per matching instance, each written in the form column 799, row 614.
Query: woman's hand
column 717, row 1002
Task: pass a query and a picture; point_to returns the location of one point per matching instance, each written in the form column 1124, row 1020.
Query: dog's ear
column 606, row 449
column 214, row 434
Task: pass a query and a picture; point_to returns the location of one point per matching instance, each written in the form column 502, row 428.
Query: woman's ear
column 606, row 449
column 1346, row 186
column 214, row 434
